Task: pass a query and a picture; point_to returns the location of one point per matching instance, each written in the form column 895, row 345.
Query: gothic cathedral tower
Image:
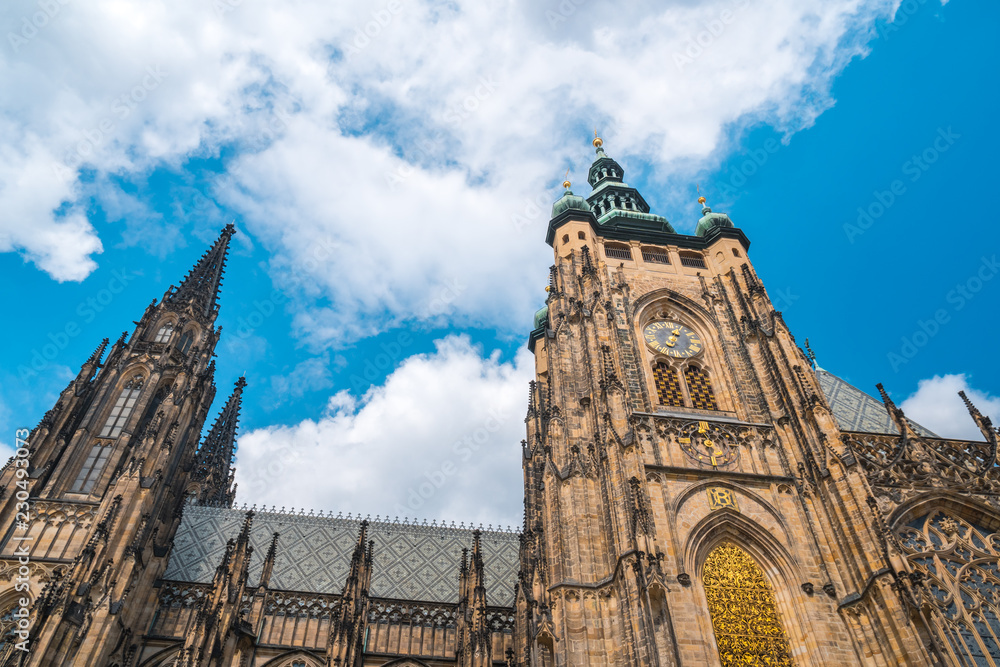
column 688, row 497
column 108, row 472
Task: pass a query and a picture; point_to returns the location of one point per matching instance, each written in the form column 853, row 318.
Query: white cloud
column 311, row 374
column 412, row 151
column 937, row 405
column 439, row 439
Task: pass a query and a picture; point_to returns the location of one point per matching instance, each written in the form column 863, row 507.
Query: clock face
column 672, row 339
column 707, row 443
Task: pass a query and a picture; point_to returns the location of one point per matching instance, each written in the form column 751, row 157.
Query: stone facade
column 697, row 492
column 756, row 532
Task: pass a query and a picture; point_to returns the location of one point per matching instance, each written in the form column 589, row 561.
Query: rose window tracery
column 961, row 583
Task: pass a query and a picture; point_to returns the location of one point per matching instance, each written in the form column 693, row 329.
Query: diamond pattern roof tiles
column 412, row 562
column 855, row 410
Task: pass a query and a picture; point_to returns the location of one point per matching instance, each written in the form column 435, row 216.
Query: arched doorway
column 745, row 618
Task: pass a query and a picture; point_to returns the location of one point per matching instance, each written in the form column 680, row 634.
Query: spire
column 604, row 168
column 346, row 645
column 895, row 413
column 474, row 636
column 95, row 358
column 269, row 558
column 215, row 456
column 984, row 423
column 93, row 362
column 614, row 202
column 812, row 357
column 201, row 285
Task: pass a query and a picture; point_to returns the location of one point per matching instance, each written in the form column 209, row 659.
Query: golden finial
column 701, row 200
column 548, row 288
column 566, row 182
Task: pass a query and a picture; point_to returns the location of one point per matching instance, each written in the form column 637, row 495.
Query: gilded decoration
column 719, row 498
column 959, row 580
column 748, row 631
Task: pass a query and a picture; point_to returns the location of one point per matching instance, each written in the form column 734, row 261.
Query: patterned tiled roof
column 412, row 562
column 857, row 411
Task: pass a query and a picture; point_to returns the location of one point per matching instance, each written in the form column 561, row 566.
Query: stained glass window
column 748, row 631
column 959, row 561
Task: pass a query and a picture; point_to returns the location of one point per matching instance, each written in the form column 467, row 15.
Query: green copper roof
column 569, row 201
column 711, row 220
column 542, row 316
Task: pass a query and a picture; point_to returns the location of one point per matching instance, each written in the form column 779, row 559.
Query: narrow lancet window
column 92, row 468
column 668, row 386
column 123, row 408
column 700, row 388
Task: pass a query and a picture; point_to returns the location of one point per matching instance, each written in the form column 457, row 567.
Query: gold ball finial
column 701, row 200
column 566, row 184
column 548, row 288
column 598, row 142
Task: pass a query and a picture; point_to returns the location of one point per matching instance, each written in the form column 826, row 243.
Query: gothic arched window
column 700, row 388
column 748, row 630
column 91, row 469
column 123, row 408
column 163, row 335
column 668, row 385
column 185, row 343
column 959, row 562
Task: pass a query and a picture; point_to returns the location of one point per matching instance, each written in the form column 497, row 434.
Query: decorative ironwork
column 708, row 443
column 956, row 563
column 748, row 631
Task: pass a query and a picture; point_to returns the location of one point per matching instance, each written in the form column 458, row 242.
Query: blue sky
column 391, row 196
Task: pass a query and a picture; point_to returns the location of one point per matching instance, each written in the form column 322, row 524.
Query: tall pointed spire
column 475, row 649
column 215, row 456
column 201, row 285
column 984, row 423
column 348, row 630
column 268, row 568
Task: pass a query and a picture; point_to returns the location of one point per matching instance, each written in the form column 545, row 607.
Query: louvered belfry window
column 668, row 386
column 700, row 388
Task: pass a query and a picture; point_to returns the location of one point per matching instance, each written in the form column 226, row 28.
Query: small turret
column 569, row 201
column 710, row 220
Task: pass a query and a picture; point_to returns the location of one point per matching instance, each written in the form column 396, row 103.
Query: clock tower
column 688, row 496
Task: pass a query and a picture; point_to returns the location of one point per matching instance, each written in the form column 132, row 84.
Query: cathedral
column 697, row 491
